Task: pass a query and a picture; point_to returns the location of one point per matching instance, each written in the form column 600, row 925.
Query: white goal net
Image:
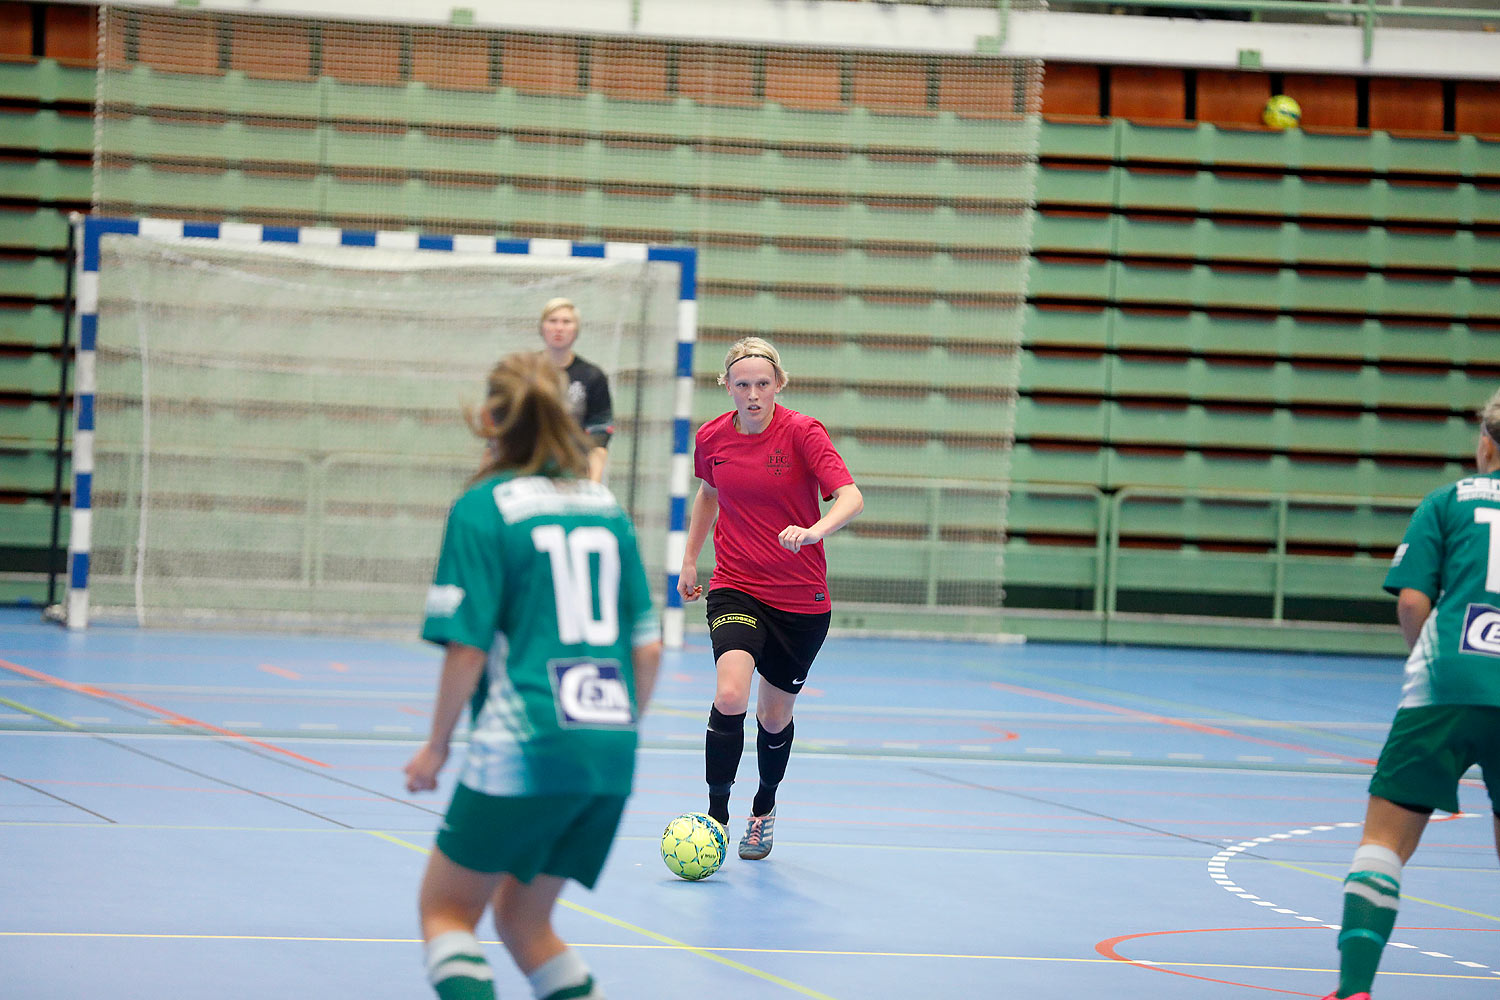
column 279, row 427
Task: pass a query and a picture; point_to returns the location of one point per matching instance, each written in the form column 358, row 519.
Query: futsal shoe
column 756, row 843
column 1353, row 996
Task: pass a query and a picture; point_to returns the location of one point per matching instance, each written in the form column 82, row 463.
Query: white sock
column 456, row 953
column 564, row 974
column 1374, row 858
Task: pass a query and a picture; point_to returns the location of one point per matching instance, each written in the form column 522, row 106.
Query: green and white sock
column 564, row 977
column 456, row 968
column 1372, row 893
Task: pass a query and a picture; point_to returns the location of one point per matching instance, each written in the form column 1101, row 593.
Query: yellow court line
column 39, row 714
column 678, row 946
column 1404, row 896
column 653, row 935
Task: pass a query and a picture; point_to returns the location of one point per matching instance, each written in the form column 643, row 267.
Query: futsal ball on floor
column 1282, row 112
column 693, row 846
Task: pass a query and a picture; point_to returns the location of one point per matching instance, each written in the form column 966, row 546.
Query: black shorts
column 782, row 643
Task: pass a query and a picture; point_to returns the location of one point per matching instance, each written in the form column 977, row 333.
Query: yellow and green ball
column 1282, row 112
column 693, row 846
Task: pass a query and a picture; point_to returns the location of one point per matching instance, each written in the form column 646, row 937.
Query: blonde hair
column 526, row 421
column 553, row 305
column 1489, row 417
column 753, row 347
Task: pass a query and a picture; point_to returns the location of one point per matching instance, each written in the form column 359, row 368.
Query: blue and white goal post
column 261, row 412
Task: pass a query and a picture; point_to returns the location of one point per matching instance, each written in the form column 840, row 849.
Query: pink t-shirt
column 767, row 481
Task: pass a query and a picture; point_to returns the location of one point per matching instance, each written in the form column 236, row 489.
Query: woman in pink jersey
column 763, row 469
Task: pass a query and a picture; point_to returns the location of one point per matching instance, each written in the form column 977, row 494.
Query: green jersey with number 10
column 1451, row 553
column 545, row 576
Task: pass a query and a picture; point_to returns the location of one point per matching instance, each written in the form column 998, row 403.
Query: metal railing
column 1109, row 517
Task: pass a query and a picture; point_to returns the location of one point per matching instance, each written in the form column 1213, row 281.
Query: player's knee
column 774, row 719
column 731, row 699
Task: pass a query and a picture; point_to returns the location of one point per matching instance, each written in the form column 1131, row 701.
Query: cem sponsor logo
column 443, row 600
column 590, row 694
column 1481, row 630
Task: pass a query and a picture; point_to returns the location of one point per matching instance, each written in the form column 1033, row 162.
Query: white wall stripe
column 88, row 292
column 396, row 241
column 80, row 527
column 241, row 232
column 625, row 251
column 473, row 244
column 319, row 237
column 85, row 373
column 83, row 452
column 167, row 228
column 551, row 248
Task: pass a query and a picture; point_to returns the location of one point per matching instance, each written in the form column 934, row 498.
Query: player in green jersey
column 1446, row 578
column 541, row 602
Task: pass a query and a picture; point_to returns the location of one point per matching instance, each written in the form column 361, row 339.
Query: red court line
column 173, row 718
column 290, row 675
column 1167, row 720
column 1108, row 949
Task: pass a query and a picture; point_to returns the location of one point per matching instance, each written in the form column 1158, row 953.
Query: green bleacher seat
column 1290, row 337
column 231, row 142
column 32, row 277
column 1068, row 419
column 48, row 131
column 1275, row 473
column 1082, row 140
column 941, row 273
column 29, row 525
column 1093, row 187
column 1077, row 280
column 1061, row 232
column 32, row 374
column 33, row 228
column 1040, row 508
column 47, row 81
column 1081, row 465
column 27, row 470
column 30, row 326
column 851, row 314
column 1044, row 371
column 47, row 180
column 1081, row 327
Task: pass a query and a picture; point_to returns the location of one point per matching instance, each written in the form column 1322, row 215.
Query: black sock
column 722, row 746
column 772, row 751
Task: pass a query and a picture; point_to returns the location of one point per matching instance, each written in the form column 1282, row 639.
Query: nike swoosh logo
column 719, row 461
column 776, row 746
column 799, row 680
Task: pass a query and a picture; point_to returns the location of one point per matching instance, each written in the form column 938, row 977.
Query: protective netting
column 280, row 426
column 867, row 211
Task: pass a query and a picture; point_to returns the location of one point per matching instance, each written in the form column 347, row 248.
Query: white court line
column 1216, row 871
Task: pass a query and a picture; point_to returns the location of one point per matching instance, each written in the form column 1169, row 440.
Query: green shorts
column 1430, row 748
column 564, row 835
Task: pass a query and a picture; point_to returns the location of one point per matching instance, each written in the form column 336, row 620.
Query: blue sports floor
column 209, row 815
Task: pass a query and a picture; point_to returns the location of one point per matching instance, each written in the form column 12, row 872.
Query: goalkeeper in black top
column 588, row 387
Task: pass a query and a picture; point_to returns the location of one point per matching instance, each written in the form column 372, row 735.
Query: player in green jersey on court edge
column 1446, row 578
column 542, row 604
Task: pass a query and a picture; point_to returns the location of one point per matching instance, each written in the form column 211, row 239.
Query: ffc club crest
column 1481, row 630
column 590, row 694
column 778, row 462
